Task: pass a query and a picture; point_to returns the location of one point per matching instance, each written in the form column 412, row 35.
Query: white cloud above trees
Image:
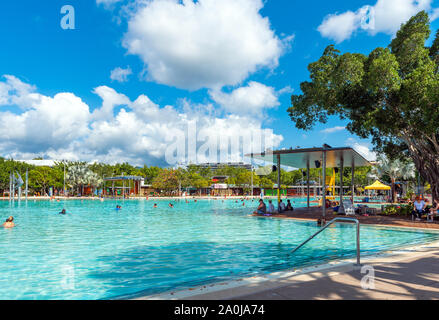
column 141, row 131
column 252, row 99
column 202, row 44
column 385, row 16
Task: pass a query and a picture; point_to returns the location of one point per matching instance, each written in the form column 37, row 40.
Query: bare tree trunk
column 393, row 191
column 426, row 158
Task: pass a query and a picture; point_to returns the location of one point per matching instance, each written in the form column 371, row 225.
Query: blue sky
column 232, row 65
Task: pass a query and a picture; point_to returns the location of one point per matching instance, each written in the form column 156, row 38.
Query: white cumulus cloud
column 141, row 132
column 202, row 44
column 362, row 148
column 107, row 2
column 386, row 16
column 56, row 121
column 120, row 74
column 251, row 99
column 333, row 129
column 110, row 100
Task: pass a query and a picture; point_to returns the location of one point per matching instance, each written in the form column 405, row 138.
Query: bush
column 403, row 210
column 390, row 211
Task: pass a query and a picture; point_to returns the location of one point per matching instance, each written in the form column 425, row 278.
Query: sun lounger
column 348, row 208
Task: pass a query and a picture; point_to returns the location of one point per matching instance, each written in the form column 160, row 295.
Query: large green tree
column 41, row 178
column 167, row 180
column 390, row 95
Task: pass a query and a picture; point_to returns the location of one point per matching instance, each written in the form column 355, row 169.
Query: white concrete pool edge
column 335, row 266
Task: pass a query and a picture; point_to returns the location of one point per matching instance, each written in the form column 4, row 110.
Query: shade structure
column 377, row 185
column 325, row 157
column 136, row 180
column 124, row 178
column 300, row 158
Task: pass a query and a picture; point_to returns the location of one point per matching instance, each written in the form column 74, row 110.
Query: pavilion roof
column 298, row 158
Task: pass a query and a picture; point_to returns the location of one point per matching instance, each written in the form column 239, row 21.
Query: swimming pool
column 96, row 252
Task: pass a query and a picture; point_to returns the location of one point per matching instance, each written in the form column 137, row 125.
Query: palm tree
column 80, row 175
column 394, row 169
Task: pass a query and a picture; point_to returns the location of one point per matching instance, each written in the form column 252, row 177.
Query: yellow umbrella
column 378, row 186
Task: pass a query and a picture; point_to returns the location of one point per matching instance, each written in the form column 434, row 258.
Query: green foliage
column 167, row 179
column 41, row 178
column 149, row 173
column 81, row 174
column 7, row 166
column 396, row 210
column 390, row 211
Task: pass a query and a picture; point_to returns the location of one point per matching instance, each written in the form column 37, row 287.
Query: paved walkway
column 315, row 213
column 410, row 274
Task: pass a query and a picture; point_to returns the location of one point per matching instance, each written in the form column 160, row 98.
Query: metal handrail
column 324, row 228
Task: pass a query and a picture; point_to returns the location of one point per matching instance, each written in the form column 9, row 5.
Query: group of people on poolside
column 263, row 210
column 420, row 207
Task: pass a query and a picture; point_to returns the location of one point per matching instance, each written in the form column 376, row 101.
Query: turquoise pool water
column 96, row 252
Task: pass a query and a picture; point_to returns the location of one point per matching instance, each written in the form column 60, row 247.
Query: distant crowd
column 264, row 210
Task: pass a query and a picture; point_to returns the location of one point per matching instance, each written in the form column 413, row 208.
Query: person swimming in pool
column 171, row 205
column 155, row 205
column 118, row 207
column 321, row 222
column 63, row 211
column 9, row 223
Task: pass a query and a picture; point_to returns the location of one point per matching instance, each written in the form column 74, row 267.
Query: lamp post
column 64, row 179
column 324, row 183
column 252, row 180
column 27, row 182
column 123, row 185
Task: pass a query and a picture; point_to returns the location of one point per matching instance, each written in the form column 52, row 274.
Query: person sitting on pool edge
column 327, row 203
column 262, row 208
column 335, row 206
column 321, row 222
column 282, row 206
column 271, row 209
column 419, row 208
column 434, row 210
column 289, row 206
column 9, row 223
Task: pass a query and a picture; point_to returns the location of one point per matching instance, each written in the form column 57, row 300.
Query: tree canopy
column 81, row 174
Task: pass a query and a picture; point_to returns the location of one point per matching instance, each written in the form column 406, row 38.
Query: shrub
column 403, row 210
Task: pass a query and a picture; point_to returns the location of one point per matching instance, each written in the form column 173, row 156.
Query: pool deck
column 314, row 213
column 408, row 274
